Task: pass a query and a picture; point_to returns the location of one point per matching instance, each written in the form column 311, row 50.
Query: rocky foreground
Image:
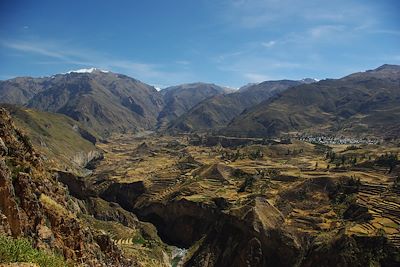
column 33, row 204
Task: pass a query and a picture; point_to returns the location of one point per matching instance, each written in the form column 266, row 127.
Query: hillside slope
column 34, row 205
column 20, row 90
column 216, row 112
column 181, row 98
column 365, row 103
column 64, row 142
column 103, row 101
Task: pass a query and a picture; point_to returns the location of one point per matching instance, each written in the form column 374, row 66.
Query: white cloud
column 64, row 54
column 48, row 50
column 268, row 44
column 256, row 68
column 326, row 30
column 272, row 13
column 256, row 77
column 389, row 32
column 182, row 62
column 222, row 57
column 32, row 48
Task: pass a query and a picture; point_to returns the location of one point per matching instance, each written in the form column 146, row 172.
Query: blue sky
column 227, row 42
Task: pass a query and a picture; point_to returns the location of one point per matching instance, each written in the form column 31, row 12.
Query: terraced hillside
column 200, row 196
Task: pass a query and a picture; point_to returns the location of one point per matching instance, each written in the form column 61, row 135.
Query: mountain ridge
column 216, row 112
column 108, row 102
column 103, row 101
column 181, row 98
column 364, row 102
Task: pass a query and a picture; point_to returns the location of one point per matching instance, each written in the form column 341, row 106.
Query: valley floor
column 299, row 188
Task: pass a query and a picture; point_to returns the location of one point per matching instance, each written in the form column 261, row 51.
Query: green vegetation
column 345, row 195
column 352, row 147
column 388, row 160
column 294, row 152
column 248, row 183
column 233, row 156
column 139, row 240
column 321, row 148
column 21, row 250
column 258, row 154
column 341, row 159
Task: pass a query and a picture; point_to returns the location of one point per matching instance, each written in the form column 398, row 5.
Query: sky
column 226, row 42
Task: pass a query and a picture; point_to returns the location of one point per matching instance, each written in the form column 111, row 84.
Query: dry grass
column 313, row 212
column 52, row 206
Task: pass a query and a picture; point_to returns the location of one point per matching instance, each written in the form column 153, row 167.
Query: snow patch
column 309, row 80
column 90, row 70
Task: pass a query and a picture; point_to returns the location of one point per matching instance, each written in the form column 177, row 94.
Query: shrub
column 21, row 250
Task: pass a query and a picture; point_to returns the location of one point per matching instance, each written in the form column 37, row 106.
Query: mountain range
column 365, row 103
column 181, row 98
column 216, row 112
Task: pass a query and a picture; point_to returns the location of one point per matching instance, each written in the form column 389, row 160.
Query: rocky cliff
column 34, row 205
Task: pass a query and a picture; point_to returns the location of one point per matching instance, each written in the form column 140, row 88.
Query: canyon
column 291, row 173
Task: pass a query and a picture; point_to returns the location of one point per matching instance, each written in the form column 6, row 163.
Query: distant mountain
column 181, row 98
column 359, row 104
column 216, row 112
column 244, row 87
column 103, row 101
column 308, row 80
column 20, row 90
column 106, row 102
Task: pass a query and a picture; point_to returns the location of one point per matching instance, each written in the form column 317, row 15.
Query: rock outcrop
column 251, row 237
column 35, row 205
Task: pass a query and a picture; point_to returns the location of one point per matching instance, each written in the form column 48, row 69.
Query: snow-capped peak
column 309, row 80
column 90, row 70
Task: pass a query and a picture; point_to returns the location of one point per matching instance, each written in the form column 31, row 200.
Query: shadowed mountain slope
column 359, row 104
column 216, row 112
column 103, row 101
column 181, row 98
column 21, row 89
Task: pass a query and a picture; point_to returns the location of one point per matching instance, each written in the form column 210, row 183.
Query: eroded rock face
column 77, row 186
column 87, row 159
column 33, row 204
column 344, row 250
column 181, row 222
column 11, row 221
column 107, row 211
column 124, row 194
column 259, row 234
column 251, row 237
column 255, row 237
